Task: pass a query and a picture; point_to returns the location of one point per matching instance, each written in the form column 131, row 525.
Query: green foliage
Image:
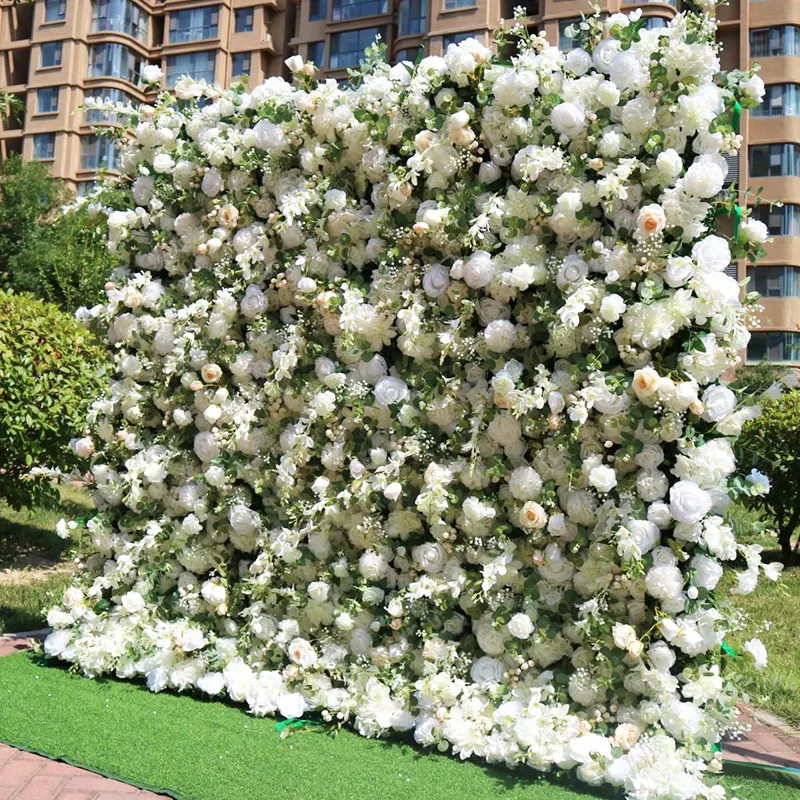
column 58, row 257
column 50, row 370
column 29, row 198
column 66, row 263
column 771, row 444
column 753, row 380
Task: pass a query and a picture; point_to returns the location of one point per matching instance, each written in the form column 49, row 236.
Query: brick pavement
column 25, row 776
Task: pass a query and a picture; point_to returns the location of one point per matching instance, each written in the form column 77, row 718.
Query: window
column 47, row 100
column 244, row 20
column 453, row 4
column 780, row 100
column 98, row 152
column 783, row 40
column 655, row 23
column 92, row 116
column 240, row 65
column 114, row 60
column 51, row 54
column 352, row 9
column 84, row 187
column 455, row 38
column 44, row 146
column 774, row 281
column 783, row 221
column 348, row 47
column 564, row 39
column 318, row 10
column 193, row 23
column 316, row 53
column 408, row 54
column 774, row 160
column 199, row 66
column 412, row 17
column 120, row 15
column 773, row 346
column 55, row 10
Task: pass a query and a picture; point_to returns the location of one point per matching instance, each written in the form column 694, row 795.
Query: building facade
column 54, row 53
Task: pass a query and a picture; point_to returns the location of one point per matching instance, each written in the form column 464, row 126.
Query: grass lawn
column 207, row 750
column 32, row 569
column 777, row 688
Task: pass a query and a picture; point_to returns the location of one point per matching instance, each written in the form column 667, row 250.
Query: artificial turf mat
column 207, row 750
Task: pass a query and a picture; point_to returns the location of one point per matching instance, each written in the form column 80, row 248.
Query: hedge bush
column 50, row 371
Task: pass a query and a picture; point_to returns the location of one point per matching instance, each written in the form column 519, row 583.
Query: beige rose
column 211, row 373
column 645, row 382
column 228, row 216
column 532, row 516
column 651, row 219
column 626, row 735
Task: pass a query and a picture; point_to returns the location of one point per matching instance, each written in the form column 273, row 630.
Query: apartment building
column 55, row 53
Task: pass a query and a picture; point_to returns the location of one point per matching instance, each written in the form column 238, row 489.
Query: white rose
column 664, row 582
column 429, row 557
column 254, row 302
column 213, row 593
column 372, row 565
column 525, row 483
column 436, row 281
column 212, row 183
column 390, row 390
column 603, row 478
column 520, row 626
column 243, row 519
column 669, row 164
column 651, row 219
column 718, row 402
column 205, row 447
column 756, row 649
column 83, row 447
column 753, row 231
column 477, row 271
column 612, row 307
column 705, row 178
column 132, row 602
column 487, row 670
column 151, row 74
column 688, row 502
column 500, row 335
column 707, row 572
column 568, row 119
column 712, row 253
column 294, row 63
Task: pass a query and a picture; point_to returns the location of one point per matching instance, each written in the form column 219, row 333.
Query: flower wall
column 417, row 419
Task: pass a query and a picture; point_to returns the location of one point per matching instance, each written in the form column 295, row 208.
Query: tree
column 58, row 257
column 29, row 198
column 50, row 371
column 67, row 262
column 771, row 444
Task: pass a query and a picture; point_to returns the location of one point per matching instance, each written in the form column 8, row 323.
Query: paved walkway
column 25, row 776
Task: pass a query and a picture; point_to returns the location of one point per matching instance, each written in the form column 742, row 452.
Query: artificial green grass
column 207, row 750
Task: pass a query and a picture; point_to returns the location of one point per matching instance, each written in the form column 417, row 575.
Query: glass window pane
column 316, row 53
column 55, row 10
column 240, row 64
column 199, row 66
column 51, row 54
column 347, row 47
column 192, row 24
column 44, row 146
column 412, row 17
column 244, row 20
column 352, row 9
column 318, row 10
column 47, row 100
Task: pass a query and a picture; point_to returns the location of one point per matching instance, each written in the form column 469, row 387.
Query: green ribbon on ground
column 737, row 115
column 296, row 723
column 728, row 650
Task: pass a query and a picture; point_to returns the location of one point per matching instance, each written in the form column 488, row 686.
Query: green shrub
column 771, row 444
column 50, row 371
